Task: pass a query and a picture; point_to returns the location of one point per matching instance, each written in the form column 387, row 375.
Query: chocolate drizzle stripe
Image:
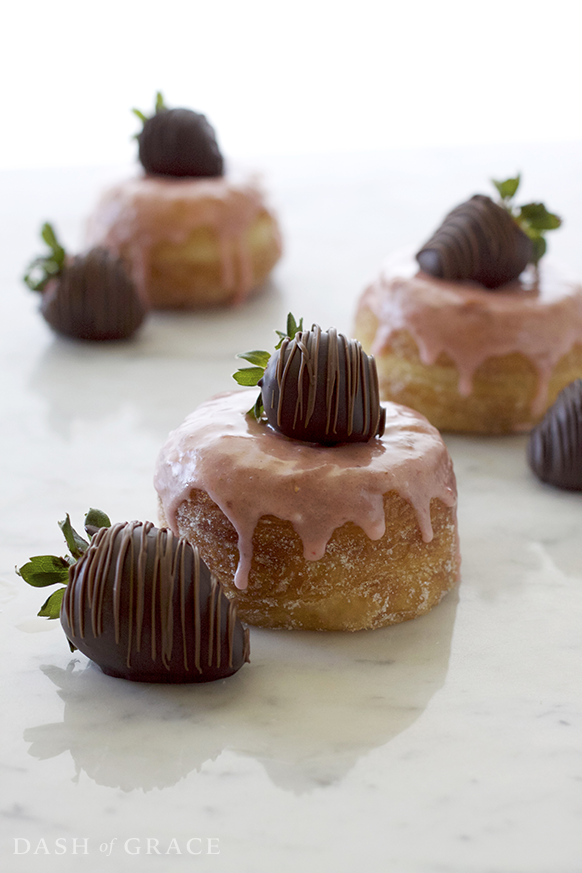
column 351, row 377
column 218, row 624
column 182, row 577
column 157, row 604
column 297, row 350
column 365, row 379
column 218, row 620
column 197, row 661
column 132, row 594
column 116, row 579
column 165, row 588
column 351, row 371
column 92, row 594
column 310, row 342
column 67, row 606
column 231, row 628
column 372, row 388
column 101, row 568
column 304, row 364
column 134, row 588
column 332, row 386
column 153, row 616
column 168, row 585
column 211, row 610
column 283, row 365
column 161, row 572
column 140, row 603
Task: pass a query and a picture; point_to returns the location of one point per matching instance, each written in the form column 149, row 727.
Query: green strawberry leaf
column 540, row 247
column 44, row 570
column 77, row 545
column 293, row 327
column 45, row 267
column 533, row 218
column 94, row 520
column 258, row 408
column 248, row 376
column 51, row 608
column 160, row 105
column 537, row 217
column 49, row 236
column 508, row 188
column 261, row 359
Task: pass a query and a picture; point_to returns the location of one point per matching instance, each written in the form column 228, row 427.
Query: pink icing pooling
column 542, row 319
column 251, row 471
column 142, row 212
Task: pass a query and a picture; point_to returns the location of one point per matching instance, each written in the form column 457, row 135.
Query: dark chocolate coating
column 93, row 299
column 323, row 388
column 143, row 606
column 478, row 241
column 179, row 142
column 554, row 449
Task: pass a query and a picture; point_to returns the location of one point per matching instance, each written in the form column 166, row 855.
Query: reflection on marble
column 307, row 707
column 80, row 382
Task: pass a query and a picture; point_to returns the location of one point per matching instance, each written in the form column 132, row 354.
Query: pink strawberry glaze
column 144, row 211
column 541, row 320
column 251, row 471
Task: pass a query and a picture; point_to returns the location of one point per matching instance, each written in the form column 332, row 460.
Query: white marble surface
column 451, row 744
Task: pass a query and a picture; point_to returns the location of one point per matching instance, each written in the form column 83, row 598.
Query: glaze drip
column 134, row 219
column 250, row 471
column 143, row 605
column 538, row 316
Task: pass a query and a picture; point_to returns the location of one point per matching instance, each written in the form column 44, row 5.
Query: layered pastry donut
column 473, row 332
column 329, row 511
column 191, row 233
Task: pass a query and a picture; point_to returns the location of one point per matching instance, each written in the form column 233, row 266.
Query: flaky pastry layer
column 358, row 584
column 189, row 243
column 502, row 393
column 191, row 274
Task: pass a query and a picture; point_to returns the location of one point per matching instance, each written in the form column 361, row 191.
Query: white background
column 287, row 78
